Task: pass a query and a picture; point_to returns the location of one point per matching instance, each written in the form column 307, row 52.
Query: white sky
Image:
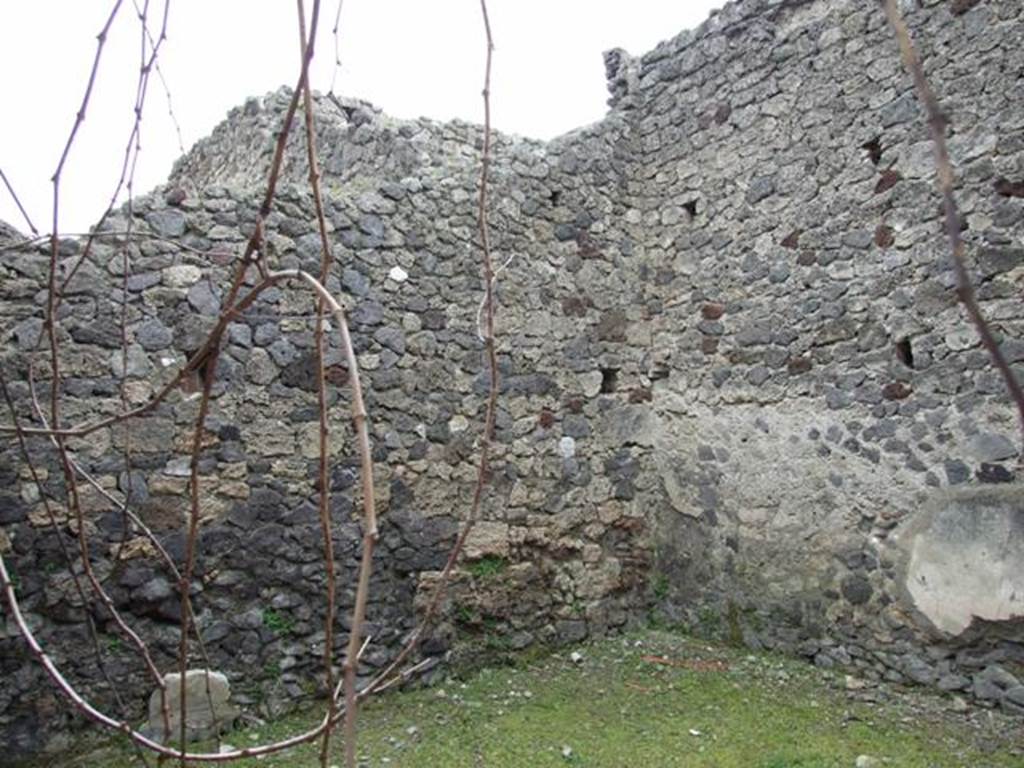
column 409, row 57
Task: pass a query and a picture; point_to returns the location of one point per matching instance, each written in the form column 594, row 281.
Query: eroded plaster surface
column 965, row 558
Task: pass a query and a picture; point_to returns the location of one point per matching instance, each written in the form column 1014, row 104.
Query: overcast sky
column 409, row 57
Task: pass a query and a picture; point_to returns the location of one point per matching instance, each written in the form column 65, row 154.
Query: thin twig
column 133, row 144
column 337, row 47
column 937, row 124
column 163, row 84
column 52, row 299
column 17, row 202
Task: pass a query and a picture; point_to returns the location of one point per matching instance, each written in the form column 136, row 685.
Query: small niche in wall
column 609, row 380
column 555, row 197
column 874, row 149
column 964, row 224
column 1007, row 188
column 691, row 207
column 905, row 351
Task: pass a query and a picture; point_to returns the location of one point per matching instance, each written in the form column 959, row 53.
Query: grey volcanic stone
column 392, row 338
column 203, row 298
column 760, row 188
column 991, row 446
column 154, row 591
column 169, row 222
column 134, row 365
column 957, row 472
column 153, row 335
column 355, row 282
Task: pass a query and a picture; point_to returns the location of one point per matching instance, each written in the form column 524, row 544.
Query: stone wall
column 818, row 383
column 561, row 550
column 732, row 367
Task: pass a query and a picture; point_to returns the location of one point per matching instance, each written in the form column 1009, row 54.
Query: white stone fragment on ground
column 866, row 761
column 694, row 732
column 576, row 657
column 206, row 711
column 398, row 274
column 566, row 751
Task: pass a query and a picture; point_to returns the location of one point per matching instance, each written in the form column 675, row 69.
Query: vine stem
column 78, row 701
column 388, row 675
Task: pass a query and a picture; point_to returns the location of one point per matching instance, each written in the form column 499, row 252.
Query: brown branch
column 91, row 712
column 133, row 145
column 68, row 560
column 52, row 294
column 101, row 39
column 386, row 677
column 359, row 418
column 937, row 124
column 210, row 362
column 70, row 479
column 306, row 51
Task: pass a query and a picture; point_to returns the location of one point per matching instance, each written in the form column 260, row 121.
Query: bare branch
column 306, row 48
column 17, row 202
column 386, row 677
column 337, row 47
column 90, row 711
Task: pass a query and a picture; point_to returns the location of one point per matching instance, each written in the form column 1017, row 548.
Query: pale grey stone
column 208, row 709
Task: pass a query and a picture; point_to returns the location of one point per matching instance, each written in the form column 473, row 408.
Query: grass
column 651, row 699
column 277, row 623
column 487, row 567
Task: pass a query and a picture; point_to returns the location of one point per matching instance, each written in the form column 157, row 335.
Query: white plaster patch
column 398, row 274
column 965, row 556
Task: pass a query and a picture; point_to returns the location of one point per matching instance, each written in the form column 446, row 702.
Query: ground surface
column 654, row 699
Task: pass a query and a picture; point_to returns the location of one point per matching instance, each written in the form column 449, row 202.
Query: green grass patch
column 651, row 699
column 278, row 623
column 487, row 567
